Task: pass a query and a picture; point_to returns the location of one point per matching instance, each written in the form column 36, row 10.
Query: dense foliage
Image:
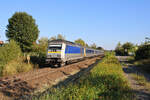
column 106, row 81
column 125, row 49
column 143, row 52
column 23, row 29
column 41, row 46
column 9, row 52
column 80, row 41
column 100, row 48
column 39, row 50
column 59, row 36
column 94, row 46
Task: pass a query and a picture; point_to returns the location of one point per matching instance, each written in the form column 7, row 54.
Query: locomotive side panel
column 89, row 52
column 72, row 52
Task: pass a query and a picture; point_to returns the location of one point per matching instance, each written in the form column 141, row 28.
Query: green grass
column 105, row 82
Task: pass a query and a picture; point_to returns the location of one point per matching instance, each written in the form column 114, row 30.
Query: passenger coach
column 61, row 52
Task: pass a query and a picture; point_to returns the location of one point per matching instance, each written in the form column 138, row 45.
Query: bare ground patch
column 138, row 80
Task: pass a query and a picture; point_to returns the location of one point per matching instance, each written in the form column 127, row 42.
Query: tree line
column 141, row 51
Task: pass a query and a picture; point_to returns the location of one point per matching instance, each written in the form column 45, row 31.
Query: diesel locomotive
column 61, row 52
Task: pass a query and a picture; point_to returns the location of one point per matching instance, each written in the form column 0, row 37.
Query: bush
column 16, row 66
column 120, row 51
column 9, row 52
column 143, row 52
column 38, row 54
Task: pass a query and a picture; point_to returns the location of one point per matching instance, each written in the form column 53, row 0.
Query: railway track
column 28, row 83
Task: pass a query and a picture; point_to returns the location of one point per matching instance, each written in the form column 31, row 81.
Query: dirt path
column 141, row 91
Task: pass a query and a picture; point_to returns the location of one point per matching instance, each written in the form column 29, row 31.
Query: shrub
column 39, row 51
column 143, row 52
column 9, row 52
column 16, row 66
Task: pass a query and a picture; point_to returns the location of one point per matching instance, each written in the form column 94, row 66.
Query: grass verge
column 105, row 82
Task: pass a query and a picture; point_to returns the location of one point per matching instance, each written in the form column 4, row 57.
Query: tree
column 100, row 48
column 119, row 50
column 80, row 41
column 53, row 38
column 118, row 46
column 23, row 29
column 86, row 45
column 125, row 49
column 128, row 47
column 40, row 48
column 43, row 44
column 43, row 41
column 93, row 46
column 143, row 52
column 59, row 36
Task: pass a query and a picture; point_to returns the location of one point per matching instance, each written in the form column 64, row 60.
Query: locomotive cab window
column 55, row 47
column 58, row 48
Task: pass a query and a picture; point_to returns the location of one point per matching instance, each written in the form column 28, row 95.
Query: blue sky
column 104, row 22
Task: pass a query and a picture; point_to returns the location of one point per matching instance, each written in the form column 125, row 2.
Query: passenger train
column 61, row 52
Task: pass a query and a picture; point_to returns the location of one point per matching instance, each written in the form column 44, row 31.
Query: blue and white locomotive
column 61, row 52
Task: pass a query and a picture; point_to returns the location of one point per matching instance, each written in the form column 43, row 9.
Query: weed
column 105, row 82
column 16, row 66
column 139, row 78
column 8, row 52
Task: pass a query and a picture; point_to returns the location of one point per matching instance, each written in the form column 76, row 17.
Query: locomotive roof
column 63, row 41
column 67, row 42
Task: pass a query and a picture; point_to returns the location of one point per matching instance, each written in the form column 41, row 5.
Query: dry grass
column 141, row 80
column 16, row 66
